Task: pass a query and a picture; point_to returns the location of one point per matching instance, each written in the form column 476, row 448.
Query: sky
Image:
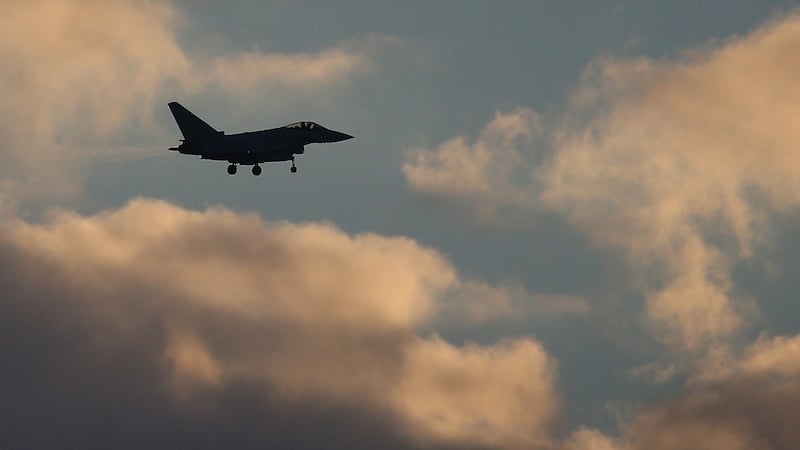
column 560, row 225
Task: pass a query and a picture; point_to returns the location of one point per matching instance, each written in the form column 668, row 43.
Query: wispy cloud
column 75, row 73
column 483, row 176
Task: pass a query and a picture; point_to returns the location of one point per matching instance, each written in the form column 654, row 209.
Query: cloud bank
column 161, row 321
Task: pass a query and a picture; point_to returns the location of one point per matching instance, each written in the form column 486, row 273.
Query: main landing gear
column 232, row 168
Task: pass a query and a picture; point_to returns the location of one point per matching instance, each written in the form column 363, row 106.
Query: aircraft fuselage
column 251, row 148
column 277, row 144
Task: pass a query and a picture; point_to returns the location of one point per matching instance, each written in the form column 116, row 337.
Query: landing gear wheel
column 293, row 169
column 256, row 170
column 232, row 169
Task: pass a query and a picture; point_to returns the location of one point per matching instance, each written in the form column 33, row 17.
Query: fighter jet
column 250, row 148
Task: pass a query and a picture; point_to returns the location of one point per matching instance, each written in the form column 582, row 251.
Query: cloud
column 455, row 394
column 679, row 162
column 735, row 414
column 682, row 167
column 77, row 74
column 483, row 173
column 751, row 406
column 74, row 72
column 473, row 303
column 727, row 416
column 589, row 439
column 164, row 321
column 243, row 72
column 683, row 164
column 777, row 356
column 748, row 403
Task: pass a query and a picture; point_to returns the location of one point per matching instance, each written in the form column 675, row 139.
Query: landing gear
column 232, row 169
column 294, row 168
column 256, row 170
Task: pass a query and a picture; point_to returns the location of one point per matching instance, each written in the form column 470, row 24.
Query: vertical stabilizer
column 192, row 127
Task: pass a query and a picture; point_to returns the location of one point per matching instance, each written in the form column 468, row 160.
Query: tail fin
column 192, row 127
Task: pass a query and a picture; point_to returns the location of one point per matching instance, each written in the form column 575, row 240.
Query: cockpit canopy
column 306, row 125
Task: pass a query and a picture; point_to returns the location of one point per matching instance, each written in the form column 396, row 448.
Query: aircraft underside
column 249, row 158
column 252, row 159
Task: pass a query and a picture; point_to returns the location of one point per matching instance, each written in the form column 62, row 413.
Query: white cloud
column 678, row 162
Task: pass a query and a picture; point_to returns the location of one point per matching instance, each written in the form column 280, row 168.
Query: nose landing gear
column 232, row 169
column 256, row 170
column 294, row 168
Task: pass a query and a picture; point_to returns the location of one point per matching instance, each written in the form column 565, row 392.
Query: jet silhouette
column 250, row 148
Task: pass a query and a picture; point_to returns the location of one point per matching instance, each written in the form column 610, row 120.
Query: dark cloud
column 750, row 402
column 157, row 327
column 75, row 376
column 741, row 413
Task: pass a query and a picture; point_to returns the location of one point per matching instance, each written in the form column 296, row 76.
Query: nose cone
column 335, row 136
